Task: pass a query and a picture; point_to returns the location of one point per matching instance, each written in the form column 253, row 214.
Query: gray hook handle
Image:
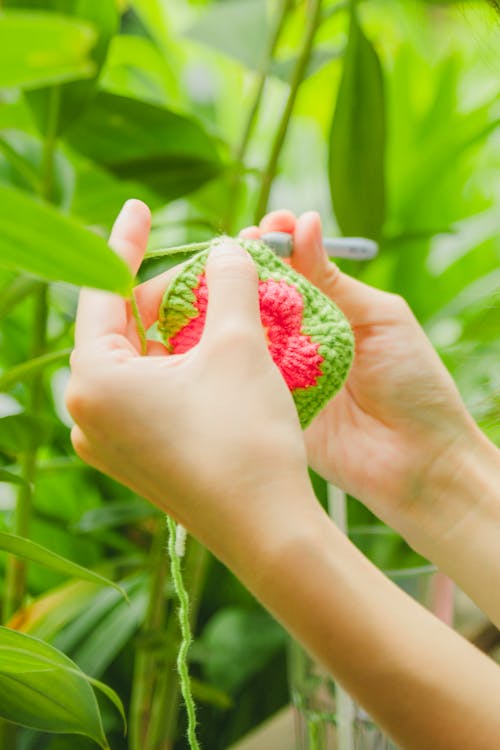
column 354, row 248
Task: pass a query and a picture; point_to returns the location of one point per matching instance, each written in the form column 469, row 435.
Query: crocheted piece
column 309, row 338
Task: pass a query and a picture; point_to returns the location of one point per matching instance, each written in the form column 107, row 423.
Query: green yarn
column 322, row 321
column 186, row 637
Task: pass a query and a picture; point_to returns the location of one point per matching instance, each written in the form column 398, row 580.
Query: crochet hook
column 354, row 248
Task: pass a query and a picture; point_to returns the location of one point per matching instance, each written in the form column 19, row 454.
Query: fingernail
column 228, row 247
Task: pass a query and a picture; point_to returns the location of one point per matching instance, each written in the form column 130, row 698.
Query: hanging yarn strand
column 186, row 637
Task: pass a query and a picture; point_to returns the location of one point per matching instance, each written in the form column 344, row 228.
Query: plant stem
column 194, row 247
column 143, row 681
column 260, row 84
column 313, row 21
column 16, row 568
column 49, row 146
column 139, row 325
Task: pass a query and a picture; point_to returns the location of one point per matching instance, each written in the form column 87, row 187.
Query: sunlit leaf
column 34, row 552
column 35, row 237
column 73, row 97
column 135, row 140
column 40, row 48
column 58, row 700
column 357, row 140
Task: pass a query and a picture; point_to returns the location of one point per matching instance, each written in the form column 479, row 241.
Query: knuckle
column 235, row 266
column 233, row 335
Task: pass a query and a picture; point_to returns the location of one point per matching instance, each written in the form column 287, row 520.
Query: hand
column 398, row 428
column 211, row 436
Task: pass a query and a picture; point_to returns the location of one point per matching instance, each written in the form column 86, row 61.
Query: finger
column 309, row 257
column 250, row 233
column 233, row 299
column 101, row 313
column 278, row 221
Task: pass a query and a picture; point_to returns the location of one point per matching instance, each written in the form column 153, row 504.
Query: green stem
column 186, row 637
column 16, row 567
column 143, row 681
column 49, row 146
column 139, row 325
column 260, row 84
column 194, row 247
column 313, row 21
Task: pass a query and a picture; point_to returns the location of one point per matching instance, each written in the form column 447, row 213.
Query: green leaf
column 35, row 237
column 249, row 26
column 34, row 552
column 110, row 634
column 7, row 476
column 357, row 140
column 48, row 692
column 236, row 644
column 115, row 514
column 134, row 140
column 22, row 163
column 26, row 370
column 40, row 48
column 15, row 291
column 21, row 432
column 73, row 97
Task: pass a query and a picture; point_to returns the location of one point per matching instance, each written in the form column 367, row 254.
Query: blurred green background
column 382, row 115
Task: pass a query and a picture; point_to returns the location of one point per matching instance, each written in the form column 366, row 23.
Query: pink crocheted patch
column 281, row 308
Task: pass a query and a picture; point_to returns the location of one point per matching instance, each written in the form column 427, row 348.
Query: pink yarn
column 281, row 309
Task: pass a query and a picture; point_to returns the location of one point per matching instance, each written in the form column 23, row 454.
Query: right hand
column 399, row 426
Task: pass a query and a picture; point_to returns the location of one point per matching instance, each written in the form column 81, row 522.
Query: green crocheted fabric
column 309, row 338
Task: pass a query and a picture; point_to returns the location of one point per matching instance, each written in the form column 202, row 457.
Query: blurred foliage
column 389, row 127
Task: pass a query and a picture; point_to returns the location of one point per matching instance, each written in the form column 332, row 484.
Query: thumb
column 233, row 299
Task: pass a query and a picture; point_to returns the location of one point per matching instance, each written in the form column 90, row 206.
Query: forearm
column 402, row 664
column 456, row 523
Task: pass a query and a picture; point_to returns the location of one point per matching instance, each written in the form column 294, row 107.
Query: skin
column 212, row 438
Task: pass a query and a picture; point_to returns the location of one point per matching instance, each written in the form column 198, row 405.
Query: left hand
column 210, row 436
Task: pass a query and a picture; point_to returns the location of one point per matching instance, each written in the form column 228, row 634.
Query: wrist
column 274, row 522
column 460, row 491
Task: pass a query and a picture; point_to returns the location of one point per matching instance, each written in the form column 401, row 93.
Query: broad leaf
column 236, row 644
column 34, row 552
column 357, row 140
column 35, row 237
column 72, row 98
column 168, row 152
column 41, row 48
column 48, row 691
column 115, row 514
